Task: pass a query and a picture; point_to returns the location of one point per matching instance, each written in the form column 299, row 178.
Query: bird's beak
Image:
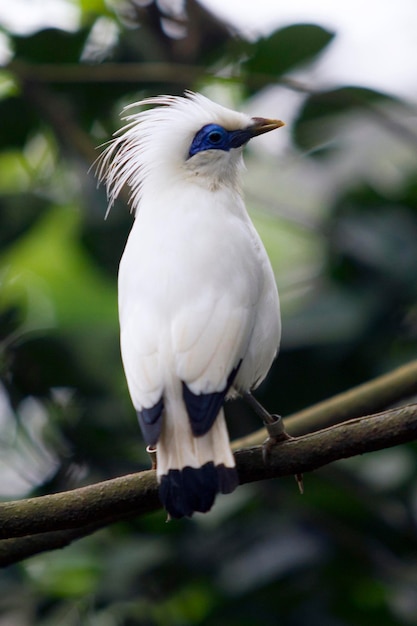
column 263, row 125
column 259, row 126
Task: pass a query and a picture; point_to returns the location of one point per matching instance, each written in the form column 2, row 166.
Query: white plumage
column 198, row 304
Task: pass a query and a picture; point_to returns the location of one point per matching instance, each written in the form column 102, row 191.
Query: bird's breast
column 188, row 244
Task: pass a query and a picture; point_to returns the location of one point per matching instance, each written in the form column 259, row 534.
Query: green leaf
column 51, row 45
column 18, row 122
column 287, row 48
column 316, row 122
column 48, row 273
column 98, row 7
column 72, row 577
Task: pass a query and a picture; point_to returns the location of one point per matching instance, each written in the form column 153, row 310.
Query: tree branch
column 312, row 451
column 56, row 111
column 172, row 73
column 105, row 73
column 370, row 397
column 107, row 502
column 53, row 521
column 20, row 548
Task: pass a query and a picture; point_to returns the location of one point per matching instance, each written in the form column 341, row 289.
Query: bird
column 198, row 303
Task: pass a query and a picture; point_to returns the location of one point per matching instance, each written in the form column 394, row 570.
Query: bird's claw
column 276, row 429
column 277, row 434
column 152, row 455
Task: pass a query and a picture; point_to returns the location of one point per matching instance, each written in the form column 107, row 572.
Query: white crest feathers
column 146, row 144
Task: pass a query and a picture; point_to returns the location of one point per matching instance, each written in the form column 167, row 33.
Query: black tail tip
column 183, row 492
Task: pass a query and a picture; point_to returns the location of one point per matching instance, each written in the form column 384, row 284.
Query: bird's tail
column 193, row 470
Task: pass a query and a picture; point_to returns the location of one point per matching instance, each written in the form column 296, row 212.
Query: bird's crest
column 156, row 140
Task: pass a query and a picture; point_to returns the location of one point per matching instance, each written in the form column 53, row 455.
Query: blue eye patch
column 215, row 137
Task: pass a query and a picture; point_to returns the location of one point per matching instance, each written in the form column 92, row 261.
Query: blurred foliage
column 287, row 48
column 340, row 224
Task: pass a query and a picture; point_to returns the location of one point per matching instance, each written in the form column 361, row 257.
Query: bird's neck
column 189, row 197
column 194, row 178
column 215, row 172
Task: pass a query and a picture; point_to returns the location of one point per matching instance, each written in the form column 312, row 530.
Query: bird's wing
column 140, row 342
column 206, row 344
column 209, row 344
column 186, row 316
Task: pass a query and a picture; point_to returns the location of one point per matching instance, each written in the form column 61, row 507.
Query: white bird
column 198, row 304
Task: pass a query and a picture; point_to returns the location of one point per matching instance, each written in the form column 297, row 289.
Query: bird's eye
column 215, row 137
column 210, row 137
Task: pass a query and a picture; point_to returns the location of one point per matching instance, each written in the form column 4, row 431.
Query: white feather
column 197, row 296
column 141, row 153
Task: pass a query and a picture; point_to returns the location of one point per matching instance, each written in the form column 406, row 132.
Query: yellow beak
column 263, row 125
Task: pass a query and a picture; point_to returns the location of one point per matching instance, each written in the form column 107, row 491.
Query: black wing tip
column 203, row 408
column 150, row 422
column 194, row 489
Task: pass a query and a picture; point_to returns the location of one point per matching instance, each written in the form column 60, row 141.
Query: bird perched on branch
column 198, row 304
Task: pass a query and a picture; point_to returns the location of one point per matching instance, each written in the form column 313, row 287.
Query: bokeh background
column 334, row 197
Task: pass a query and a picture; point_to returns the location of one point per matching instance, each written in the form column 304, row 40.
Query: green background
column 334, row 197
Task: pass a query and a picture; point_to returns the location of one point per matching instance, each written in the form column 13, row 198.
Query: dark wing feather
column 150, row 421
column 203, row 408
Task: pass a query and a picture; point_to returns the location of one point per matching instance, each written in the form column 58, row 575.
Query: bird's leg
column 275, row 429
column 152, row 455
column 151, row 450
column 273, row 423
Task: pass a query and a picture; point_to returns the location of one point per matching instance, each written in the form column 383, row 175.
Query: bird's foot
column 273, row 423
column 152, row 455
column 276, row 432
column 276, row 435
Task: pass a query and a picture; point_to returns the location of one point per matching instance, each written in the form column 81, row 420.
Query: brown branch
column 175, row 73
column 108, row 501
column 370, row 397
column 54, row 521
column 312, row 451
column 20, row 548
column 105, row 73
column 57, row 112
column 58, row 519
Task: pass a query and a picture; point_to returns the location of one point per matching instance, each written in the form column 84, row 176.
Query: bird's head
column 178, row 139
